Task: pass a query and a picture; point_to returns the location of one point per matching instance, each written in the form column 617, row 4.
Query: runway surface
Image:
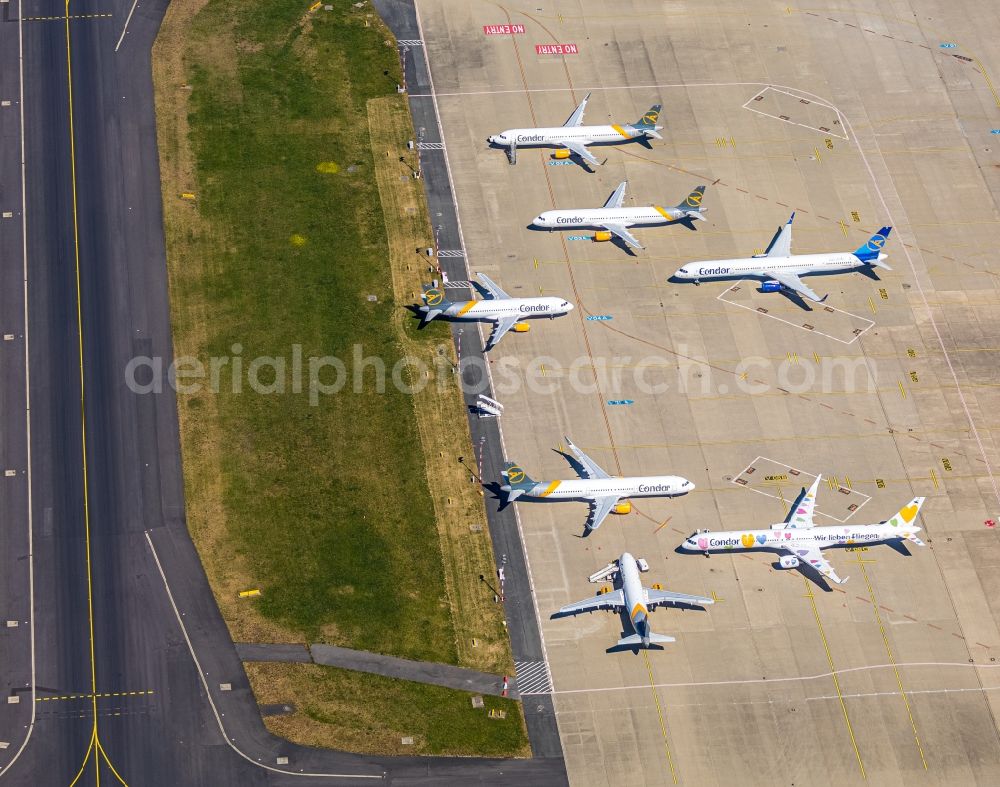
column 119, row 667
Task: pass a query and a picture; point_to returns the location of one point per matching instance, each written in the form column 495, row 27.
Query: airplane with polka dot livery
column 604, row 492
column 802, row 539
column 572, row 137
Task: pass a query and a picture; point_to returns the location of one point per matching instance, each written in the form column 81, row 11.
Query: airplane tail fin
column 434, row 300
column 516, row 481
column 636, row 641
column 648, row 122
column 870, row 251
column 691, row 205
column 905, row 519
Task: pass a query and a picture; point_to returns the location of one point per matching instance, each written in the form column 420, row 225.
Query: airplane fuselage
column 598, row 217
column 635, row 595
column 781, row 537
column 584, row 488
column 799, row 264
column 544, row 137
column 498, row 309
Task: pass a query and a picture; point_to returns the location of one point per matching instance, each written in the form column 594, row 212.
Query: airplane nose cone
column 570, row 307
column 688, row 486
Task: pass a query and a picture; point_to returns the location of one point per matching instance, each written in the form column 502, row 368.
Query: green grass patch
column 355, row 711
column 327, row 506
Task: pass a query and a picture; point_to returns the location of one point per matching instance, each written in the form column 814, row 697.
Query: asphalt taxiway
column 116, row 661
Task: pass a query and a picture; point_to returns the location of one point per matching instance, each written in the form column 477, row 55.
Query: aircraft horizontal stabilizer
column 635, row 641
column 879, row 264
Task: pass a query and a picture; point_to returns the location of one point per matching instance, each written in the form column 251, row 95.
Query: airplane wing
column 615, row 200
column 576, row 119
column 492, row 288
column 622, row 232
column 590, row 468
column 809, row 553
column 613, row 600
column 580, row 149
column 801, row 516
column 600, row 507
column 655, row 598
column 781, row 243
column 793, row 282
column 500, row 328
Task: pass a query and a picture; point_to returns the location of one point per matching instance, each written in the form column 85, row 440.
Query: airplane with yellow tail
column 802, row 540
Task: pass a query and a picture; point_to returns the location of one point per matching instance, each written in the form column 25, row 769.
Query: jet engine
column 771, row 286
column 623, row 508
column 521, row 327
column 602, row 235
column 561, row 154
column 788, row 561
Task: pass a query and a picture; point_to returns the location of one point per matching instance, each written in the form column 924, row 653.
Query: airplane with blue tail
column 782, row 271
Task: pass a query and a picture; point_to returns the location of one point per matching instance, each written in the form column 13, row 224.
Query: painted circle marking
column 876, row 243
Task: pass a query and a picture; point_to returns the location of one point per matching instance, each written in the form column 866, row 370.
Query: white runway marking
column 27, row 394
column 127, row 20
column 794, row 679
column 211, row 701
column 827, row 131
column 533, row 677
column 809, row 328
column 811, row 476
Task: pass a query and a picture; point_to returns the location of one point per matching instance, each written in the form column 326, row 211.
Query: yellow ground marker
column 833, row 671
column 902, row 391
column 187, row 195
column 892, row 659
column 249, row 593
column 314, row 6
column 662, row 716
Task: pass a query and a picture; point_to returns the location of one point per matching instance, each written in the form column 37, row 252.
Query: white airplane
column 605, row 493
column 781, row 270
column 803, row 540
column 613, row 219
column 572, row 137
column 633, row 598
column 499, row 308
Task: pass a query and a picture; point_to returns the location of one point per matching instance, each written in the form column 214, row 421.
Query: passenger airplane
column 615, row 220
column 781, row 270
column 572, row 137
column 634, row 599
column 799, row 536
column 499, row 308
column 604, row 492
